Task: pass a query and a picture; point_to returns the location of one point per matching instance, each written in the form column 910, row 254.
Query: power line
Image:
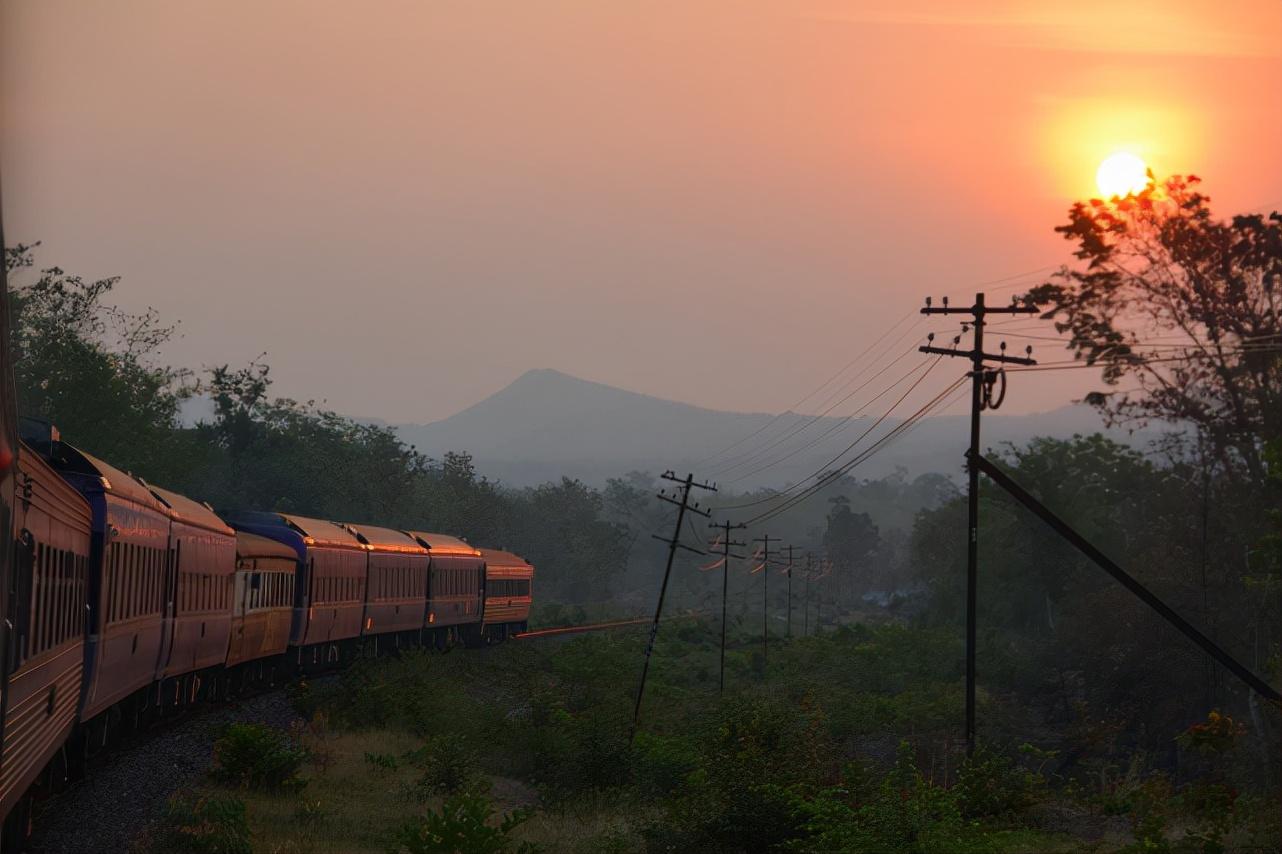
column 885, row 441
column 841, row 422
column 824, row 384
column 735, row 460
column 928, row 365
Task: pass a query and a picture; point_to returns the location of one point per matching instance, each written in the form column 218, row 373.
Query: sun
column 1121, row 174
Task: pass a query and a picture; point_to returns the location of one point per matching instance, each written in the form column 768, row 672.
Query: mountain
column 547, row 424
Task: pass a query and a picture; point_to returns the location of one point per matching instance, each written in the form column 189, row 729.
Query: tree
column 851, row 539
column 91, row 368
column 1184, row 306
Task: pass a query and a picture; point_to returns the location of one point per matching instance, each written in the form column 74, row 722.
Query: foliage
column 449, row 767
column 850, row 539
column 205, row 824
column 254, row 756
column 464, row 825
column 1216, row 734
column 1159, row 267
column 91, row 367
column 994, row 785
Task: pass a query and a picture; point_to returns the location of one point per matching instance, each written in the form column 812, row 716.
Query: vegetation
column 253, row 756
column 1103, row 728
column 842, row 742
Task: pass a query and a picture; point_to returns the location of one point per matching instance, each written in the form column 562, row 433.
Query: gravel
column 126, row 789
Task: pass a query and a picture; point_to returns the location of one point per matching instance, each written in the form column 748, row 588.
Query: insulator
column 956, row 340
column 1029, row 349
column 965, row 328
column 930, row 337
column 927, row 302
column 945, row 302
column 1003, row 346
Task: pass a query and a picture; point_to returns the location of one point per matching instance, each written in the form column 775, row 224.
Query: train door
column 169, row 616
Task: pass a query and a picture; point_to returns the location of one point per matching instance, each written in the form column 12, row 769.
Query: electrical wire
column 747, row 456
column 755, row 456
column 928, row 364
column 706, row 460
column 885, row 441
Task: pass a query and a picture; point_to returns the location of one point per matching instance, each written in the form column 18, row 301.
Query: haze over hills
column 547, row 424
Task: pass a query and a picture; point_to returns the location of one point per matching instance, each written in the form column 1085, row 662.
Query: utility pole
column 686, row 484
column 805, row 625
column 983, row 381
column 726, row 554
column 765, row 603
column 791, row 549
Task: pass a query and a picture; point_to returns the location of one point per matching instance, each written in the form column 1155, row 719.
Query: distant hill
column 547, row 424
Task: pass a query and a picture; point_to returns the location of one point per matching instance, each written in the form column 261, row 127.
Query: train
column 126, row 602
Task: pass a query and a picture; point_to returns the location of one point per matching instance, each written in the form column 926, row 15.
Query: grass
column 847, row 729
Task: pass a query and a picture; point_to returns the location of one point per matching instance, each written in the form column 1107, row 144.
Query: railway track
column 533, row 634
column 574, row 630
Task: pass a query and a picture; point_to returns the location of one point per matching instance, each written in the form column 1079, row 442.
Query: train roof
column 312, row 532
column 386, row 539
column 444, row 544
column 253, row 545
column 498, row 557
column 114, row 481
column 192, row 512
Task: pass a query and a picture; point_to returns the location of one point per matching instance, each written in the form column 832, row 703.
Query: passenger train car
column 128, row 600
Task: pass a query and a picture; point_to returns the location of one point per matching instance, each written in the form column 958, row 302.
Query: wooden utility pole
column 765, row 602
column 983, row 381
column 805, row 624
column 686, row 484
column 788, row 570
column 726, row 554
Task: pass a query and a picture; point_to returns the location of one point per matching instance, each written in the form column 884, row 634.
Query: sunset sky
column 408, row 204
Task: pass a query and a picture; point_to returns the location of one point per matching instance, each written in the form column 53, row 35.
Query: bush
column 463, row 826
column 904, row 815
column 449, row 767
column 991, row 785
column 253, row 756
column 212, row 824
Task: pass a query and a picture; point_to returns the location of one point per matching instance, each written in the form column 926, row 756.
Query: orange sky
column 406, row 204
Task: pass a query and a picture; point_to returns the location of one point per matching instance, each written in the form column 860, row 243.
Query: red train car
column 509, row 582
column 129, row 552
column 45, row 655
column 454, row 584
column 198, row 594
column 329, row 591
column 397, row 581
column 262, row 599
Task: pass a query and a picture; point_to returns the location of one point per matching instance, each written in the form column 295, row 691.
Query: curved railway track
column 108, row 807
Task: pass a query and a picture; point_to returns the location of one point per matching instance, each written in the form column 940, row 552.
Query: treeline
column 96, row 373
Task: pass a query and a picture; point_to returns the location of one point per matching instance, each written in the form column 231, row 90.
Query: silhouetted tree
column 851, row 539
column 1182, row 305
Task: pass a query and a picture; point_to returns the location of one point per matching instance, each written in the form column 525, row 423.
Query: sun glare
column 1121, row 174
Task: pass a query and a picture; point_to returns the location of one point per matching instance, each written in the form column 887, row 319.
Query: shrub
column 211, row 824
column 463, row 826
column 990, row 784
column 253, row 756
column 449, row 767
column 660, row 764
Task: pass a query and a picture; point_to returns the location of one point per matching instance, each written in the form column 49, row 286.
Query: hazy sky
column 407, row 204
